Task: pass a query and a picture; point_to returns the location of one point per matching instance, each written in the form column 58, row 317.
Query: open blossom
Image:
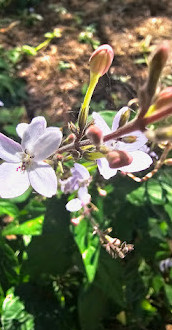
column 137, row 139
column 24, row 165
column 79, row 180
column 83, row 199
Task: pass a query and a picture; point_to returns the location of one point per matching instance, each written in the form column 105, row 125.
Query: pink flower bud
column 119, row 158
column 101, row 59
column 168, row 162
column 164, row 98
column 95, row 134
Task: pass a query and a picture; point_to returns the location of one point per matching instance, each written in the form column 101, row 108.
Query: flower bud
column 71, row 138
column 119, row 158
column 160, row 134
column 95, row 134
column 164, row 98
column 101, row 59
column 129, row 139
column 92, row 155
column 124, row 118
column 168, row 162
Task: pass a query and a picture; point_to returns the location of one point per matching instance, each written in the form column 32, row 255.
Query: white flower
column 77, row 203
column 24, row 164
column 141, row 160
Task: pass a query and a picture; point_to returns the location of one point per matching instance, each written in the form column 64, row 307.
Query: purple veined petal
column 117, row 118
column 9, row 149
column 141, row 139
column 43, row 179
column 83, row 195
column 82, row 172
column 33, row 132
column 74, row 205
column 20, row 129
column 141, row 161
column 100, row 122
column 13, row 181
column 104, row 168
column 47, row 144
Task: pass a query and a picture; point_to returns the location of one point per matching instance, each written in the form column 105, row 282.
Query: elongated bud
column 95, row 134
column 119, row 158
column 168, row 162
column 92, row 155
column 101, row 59
column 129, row 139
column 156, row 65
column 164, row 98
column 124, row 118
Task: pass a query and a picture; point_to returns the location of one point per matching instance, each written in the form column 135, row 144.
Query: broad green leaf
column 155, row 192
column 91, row 308
column 13, row 312
column 88, row 245
column 137, row 197
column 51, row 252
column 31, row 227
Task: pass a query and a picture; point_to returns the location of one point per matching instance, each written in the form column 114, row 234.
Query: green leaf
column 168, row 292
column 137, row 197
column 51, row 253
column 8, row 265
column 31, row 227
column 89, row 247
column 155, row 192
column 9, row 208
column 14, row 314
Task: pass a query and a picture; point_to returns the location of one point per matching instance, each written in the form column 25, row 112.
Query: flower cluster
column 131, row 143
column 79, row 180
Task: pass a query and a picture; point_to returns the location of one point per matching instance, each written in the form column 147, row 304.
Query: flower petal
column 140, row 142
column 82, row 172
column 117, row 118
column 140, row 162
column 9, row 149
column 100, row 122
column 13, row 183
column 20, row 129
column 47, row 144
column 104, row 168
column 43, row 179
column 74, row 205
column 33, row 132
column 83, row 195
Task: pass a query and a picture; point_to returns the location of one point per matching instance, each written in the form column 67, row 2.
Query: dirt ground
column 131, row 27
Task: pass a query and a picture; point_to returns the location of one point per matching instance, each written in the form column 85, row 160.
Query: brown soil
column 127, row 25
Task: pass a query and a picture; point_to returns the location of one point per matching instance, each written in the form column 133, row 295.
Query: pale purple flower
column 83, row 199
column 24, row 165
column 1, row 104
column 141, row 160
column 165, row 265
column 80, row 178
